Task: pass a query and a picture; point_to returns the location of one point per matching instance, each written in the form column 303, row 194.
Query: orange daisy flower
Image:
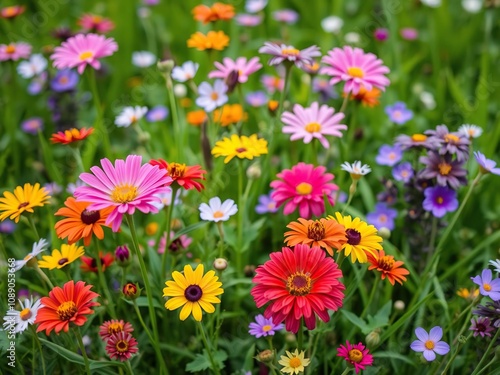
column 196, row 118
column 80, row 222
column 12, row 11
column 230, row 114
column 388, row 266
column 185, row 176
column 89, row 264
column 213, row 40
column 368, row 98
column 321, row 233
column 71, row 135
column 69, row 304
column 216, row 12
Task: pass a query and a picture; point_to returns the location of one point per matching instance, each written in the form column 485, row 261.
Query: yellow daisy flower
column 243, row 147
column 194, row 291
column 23, row 199
column 59, row 259
column 361, row 238
column 293, row 363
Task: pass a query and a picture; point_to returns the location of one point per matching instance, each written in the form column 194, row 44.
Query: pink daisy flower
column 290, row 54
column 356, row 355
column 241, row 66
column 82, row 50
column 121, row 346
column 313, row 122
column 14, row 51
column 95, row 23
column 303, row 186
column 126, row 186
column 356, row 68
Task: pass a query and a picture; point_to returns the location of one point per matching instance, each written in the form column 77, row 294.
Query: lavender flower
column 32, row 125
column 430, row 343
column 491, row 310
column 409, row 33
column 389, row 155
column 7, row 226
column 325, row 90
column 65, row 80
column 157, row 113
column 264, row 327
column 256, row 98
column 440, row 200
column 382, row 217
column 288, row 16
column 415, row 141
column 266, row 205
column 398, row 113
column 283, row 53
column 486, row 165
column 403, row 172
column 446, row 171
column 454, row 143
column 248, row 20
column 487, row 285
column 481, row 326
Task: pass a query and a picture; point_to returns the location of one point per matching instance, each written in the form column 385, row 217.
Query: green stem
column 82, row 349
column 370, row 299
column 288, row 70
column 102, row 281
column 215, row 368
column 300, row 336
column 32, row 225
column 433, row 238
column 241, row 211
column 343, row 107
column 168, row 223
column 78, row 158
column 39, row 344
column 494, row 360
column 175, row 115
column 139, row 315
column 459, row 346
column 221, row 240
column 485, row 355
column 128, row 366
column 352, row 191
column 43, row 276
column 346, row 371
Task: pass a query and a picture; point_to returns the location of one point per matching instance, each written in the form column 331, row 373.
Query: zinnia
column 388, row 267
column 24, row 199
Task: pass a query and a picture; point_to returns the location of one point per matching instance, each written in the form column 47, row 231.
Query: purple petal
column 422, row 334
column 436, row 334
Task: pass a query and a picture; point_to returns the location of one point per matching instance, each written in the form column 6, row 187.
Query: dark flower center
column 316, row 231
column 24, row 204
column 386, row 263
column 353, row 236
column 299, row 284
column 480, row 327
column 90, row 217
column 193, row 293
column 241, row 149
column 121, row 346
column 66, row 310
column 62, row 261
column 176, row 170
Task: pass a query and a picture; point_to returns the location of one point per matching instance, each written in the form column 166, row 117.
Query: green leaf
column 190, row 229
column 250, row 234
column 357, row 321
column 394, row 355
column 202, row 361
column 143, row 302
column 381, row 318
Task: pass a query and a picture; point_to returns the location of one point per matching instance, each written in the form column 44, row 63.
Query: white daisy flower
column 212, row 97
column 185, row 72
column 36, row 65
column 255, row 6
column 130, row 115
column 143, row 59
column 38, row 247
column 496, row 264
column 216, row 211
column 332, row 24
column 166, row 199
column 470, row 131
column 22, row 319
column 356, row 169
column 472, row 6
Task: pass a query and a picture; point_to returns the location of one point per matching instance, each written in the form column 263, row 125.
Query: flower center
column 429, row 344
column 418, row 138
column 129, row 289
column 115, row 328
column 176, row 170
column 240, row 150
column 382, row 218
column 290, row 51
column 193, row 293
column 218, row 214
column 487, row 287
column 10, row 11
column 295, row 362
column 124, row 193
column 121, row 346
column 62, row 261
column 444, row 168
column 11, row 48
column 86, row 55
column 214, row 96
column 439, row 200
column 316, row 231
column 386, row 263
column 271, row 206
column 66, row 310
column 298, row 284
column 28, row 257
column 267, row 328
column 304, row 188
column 63, row 80
column 22, row 205
column 355, row 72
column 96, row 19
column 313, row 127
column 25, row 314
column 451, row 138
column 353, row 236
column 90, row 217
column 355, row 355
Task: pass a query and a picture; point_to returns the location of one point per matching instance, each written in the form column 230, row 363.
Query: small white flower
column 356, row 169
column 38, row 247
column 428, row 100
column 143, row 59
column 255, row 6
column 22, row 318
column 180, row 90
column 216, row 211
column 431, row 3
column 185, row 72
column 33, row 67
column 130, row 115
column 166, row 199
column 496, row 264
column 470, row 131
column 211, row 97
column 352, row 38
column 472, row 6
column 332, row 24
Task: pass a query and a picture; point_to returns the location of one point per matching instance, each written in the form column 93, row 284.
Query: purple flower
column 266, row 204
column 7, row 226
column 73, row 186
column 283, row 53
column 256, row 98
column 248, row 20
column 430, row 343
column 415, row 141
column 382, row 217
column 211, row 97
column 255, row 6
column 32, row 125
column 323, row 87
column 37, row 83
column 409, row 33
column 491, row 310
column 455, row 143
column 398, row 113
column 65, row 80
column 481, row 326
column 446, row 171
column 157, row 113
column 486, row 165
column 403, row 172
column 122, row 253
column 381, row 34
column 52, row 188
column 264, row 327
column 272, row 83
column 487, row 285
column 288, row 16
column 440, row 200
column 389, row 155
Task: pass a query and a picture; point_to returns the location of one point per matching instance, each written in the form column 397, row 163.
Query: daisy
column 289, row 54
column 157, row 113
column 241, row 146
column 121, row 346
column 356, row 170
column 38, row 247
column 452, row 143
column 185, row 72
column 445, row 170
column 130, row 116
column 182, row 175
column 287, row 16
column 481, row 326
column 165, row 199
column 24, row 199
column 389, row 155
column 248, row 20
column 82, row 50
column 264, row 327
column 388, row 267
column 486, row 165
column 125, row 186
column 417, row 140
column 495, row 264
column 491, row 310
column 470, row 131
column 25, row 317
column 218, row 11
column 59, row 259
column 194, row 290
column 95, row 23
column 298, row 283
column 303, row 187
column 313, row 122
column 217, row 211
column 356, row 355
column 382, row 217
column 487, row 285
column 143, row 59
column 356, row 68
column 211, row 97
column 64, row 80
column 241, row 66
column 294, row 363
column 266, row 205
column 14, row 51
column 33, row 67
column 71, row 136
column 214, row 40
column 439, row 200
column 66, row 305
column 430, row 343
column 230, row 114
column 89, row 264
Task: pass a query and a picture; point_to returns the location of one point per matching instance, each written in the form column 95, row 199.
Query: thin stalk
column 39, row 344
column 215, row 368
column 494, row 360
column 485, row 355
column 175, row 114
column 370, row 299
column 169, row 220
column 138, row 313
column 241, row 212
column 102, row 281
column 82, row 349
column 43, row 276
column 346, row 371
column 433, row 238
column 352, row 191
column 459, row 346
column 221, row 240
column 31, row 223
column 98, row 125
column 128, row 366
column 344, row 103
column 288, row 69
column 78, row 158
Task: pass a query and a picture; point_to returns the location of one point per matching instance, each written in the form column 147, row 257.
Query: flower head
column 382, row 217
column 32, row 125
column 196, row 118
column 481, row 326
column 287, row 16
column 266, row 205
column 64, row 80
column 272, row 83
column 445, row 170
column 157, row 113
column 264, row 327
column 495, row 264
column 14, row 51
column 194, row 290
column 59, row 259
column 440, row 200
column 248, row 20
column 182, row 175
column 12, row 11
column 89, row 264
column 24, row 317
column 230, row 114
column 256, row 98
column 355, row 354
column 143, row 59
column 469, row 294
column 388, row 267
column 112, row 327
column 242, row 147
column 450, row 143
column 381, row 34
column 321, row 86
column 487, row 285
column 399, row 113
column 24, row 199
column 218, row 11
column 298, row 283
column 356, row 170
column 490, row 310
column 290, row 54
column 409, row 33
column 403, row 172
column 211, row 97
column 368, row 98
column 38, row 247
column 35, row 66
column 185, row 72
column 94, row 23
column 389, row 155
column 418, row 141
column 240, row 67
column 214, row 40
column 71, row 136
column 294, row 363
column 130, row 116
column 470, row 131
column 430, row 343
column 255, row 6
column 121, row 346
column 216, row 211
column 486, row 165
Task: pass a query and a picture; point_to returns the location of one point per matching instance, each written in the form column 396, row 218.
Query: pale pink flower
column 241, row 66
column 282, row 53
column 95, row 23
column 14, row 51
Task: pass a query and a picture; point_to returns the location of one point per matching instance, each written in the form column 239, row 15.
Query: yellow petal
column 208, row 307
column 197, row 312
column 175, row 303
column 180, row 279
column 186, row 311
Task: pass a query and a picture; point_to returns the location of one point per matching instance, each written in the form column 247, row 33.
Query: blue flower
column 398, row 113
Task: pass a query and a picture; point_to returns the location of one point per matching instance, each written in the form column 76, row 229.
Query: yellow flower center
column 299, row 284
column 487, row 287
column 10, row 11
column 25, row 314
column 304, row 188
column 429, row 345
column 355, row 355
column 124, row 193
column 121, row 346
column 214, row 96
column 439, row 200
column 451, row 138
column 290, row 51
column 418, row 138
column 313, row 127
column 218, row 214
column 444, row 168
column 28, row 257
column 86, row 55
column 66, row 310
column 96, row 19
column 63, row 80
column 176, row 170
column 115, row 328
column 295, row 362
column 355, row 72
column 271, row 206
column 316, row 231
column 11, row 48
column 267, row 328
column 386, row 263
column 133, row 119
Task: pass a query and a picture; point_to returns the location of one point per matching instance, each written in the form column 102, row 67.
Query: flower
column 217, row 40
column 266, row 205
column 23, row 318
column 218, row 11
column 316, row 233
column 14, row 51
column 125, row 186
column 211, row 97
column 445, row 170
column 388, row 267
column 121, row 346
column 182, row 175
column 324, row 89
column 217, row 211
column 194, row 291
column 82, row 50
column 487, row 285
column 112, row 327
column 495, row 264
column 94, row 23
column 196, row 118
column 313, row 122
column 69, row 304
column 440, row 200
column 381, row 34
column 53, row 188
column 481, row 326
column 403, row 172
column 272, row 83
column 430, row 343
column 264, row 327
column 256, row 98
column 255, row 6
column 33, row 67
column 409, row 33
column 64, row 80
column 131, row 291
column 486, row 165
column 491, row 310
column 303, row 186
column 157, row 113
column 472, row 6
column 89, row 264
column 248, row 20
column 185, row 72
column 72, row 135
column 398, row 113
column 356, row 68
column 241, row 146
column 294, row 363
column 241, row 66
column 356, row 170
column 32, row 125
column 332, row 24
column 143, row 59
column 362, row 239
column 470, row 131
column 298, row 283
column 284, row 53
column 7, row 226
column 38, row 247
column 368, row 98
column 24, row 199
column 60, row 259
column 415, row 141
column 389, row 155
column 356, row 355
column 450, row 143
column 130, row 116
column 468, row 294
column 382, row 217
column 288, row 16
column 230, row 114
column 12, row 12
column 177, row 243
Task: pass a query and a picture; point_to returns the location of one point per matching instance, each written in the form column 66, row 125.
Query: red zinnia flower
column 12, row 11
column 121, row 346
column 71, row 135
column 298, row 283
column 356, row 355
column 388, row 266
column 182, row 174
column 69, row 304
column 90, row 264
column 112, row 327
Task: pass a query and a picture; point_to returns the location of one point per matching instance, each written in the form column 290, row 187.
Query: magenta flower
column 409, row 33
column 486, row 165
column 440, row 200
column 264, row 327
column 283, row 53
column 481, row 326
column 430, row 343
column 14, row 51
column 487, row 285
column 381, row 34
column 355, row 354
column 240, row 66
column 313, row 122
column 356, row 68
column 303, row 186
column 125, row 186
column 82, row 50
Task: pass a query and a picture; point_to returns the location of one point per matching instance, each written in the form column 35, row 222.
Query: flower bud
column 165, row 66
column 254, row 171
column 266, row 356
column 220, row 264
column 122, row 255
column 373, row 338
column 151, row 228
column 131, row 291
column 180, row 90
column 385, row 233
column 399, row 305
column 272, row 106
column 290, row 338
column 462, row 339
column 232, row 80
